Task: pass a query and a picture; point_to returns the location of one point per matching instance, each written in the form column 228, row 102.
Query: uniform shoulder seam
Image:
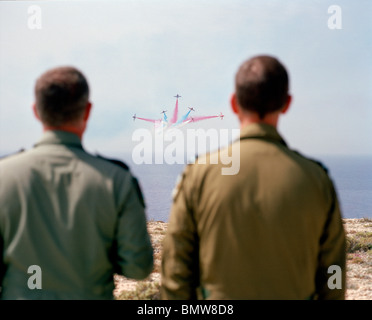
column 12, row 154
column 319, row 163
column 116, row 162
column 134, row 180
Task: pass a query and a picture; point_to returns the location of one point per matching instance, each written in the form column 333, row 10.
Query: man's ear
column 234, row 103
column 34, row 109
column 287, row 104
column 87, row 111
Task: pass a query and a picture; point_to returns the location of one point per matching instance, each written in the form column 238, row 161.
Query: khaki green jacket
column 80, row 218
column 269, row 232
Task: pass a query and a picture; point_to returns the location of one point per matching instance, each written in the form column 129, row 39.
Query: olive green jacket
column 269, row 232
column 78, row 217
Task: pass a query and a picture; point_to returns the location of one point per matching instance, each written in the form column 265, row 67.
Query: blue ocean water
column 157, row 182
column 352, row 176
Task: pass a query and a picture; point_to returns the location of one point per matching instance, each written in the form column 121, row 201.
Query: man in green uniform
column 68, row 220
column 272, row 231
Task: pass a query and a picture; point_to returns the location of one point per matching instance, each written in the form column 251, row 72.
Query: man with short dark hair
column 261, row 85
column 62, row 96
column 274, row 230
column 68, row 220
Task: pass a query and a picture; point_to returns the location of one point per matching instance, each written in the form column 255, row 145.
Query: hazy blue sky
column 138, row 54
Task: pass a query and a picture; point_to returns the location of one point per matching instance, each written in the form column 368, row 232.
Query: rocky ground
column 359, row 259
column 359, row 264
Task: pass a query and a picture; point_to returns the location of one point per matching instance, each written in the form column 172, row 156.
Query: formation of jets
column 185, row 119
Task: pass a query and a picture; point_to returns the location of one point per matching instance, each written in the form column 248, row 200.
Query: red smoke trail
column 195, row 119
column 149, row 120
column 175, row 114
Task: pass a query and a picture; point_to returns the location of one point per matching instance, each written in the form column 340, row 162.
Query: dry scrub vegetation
column 359, row 264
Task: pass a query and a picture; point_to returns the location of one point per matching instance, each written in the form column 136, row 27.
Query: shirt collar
column 59, row 137
column 261, row 131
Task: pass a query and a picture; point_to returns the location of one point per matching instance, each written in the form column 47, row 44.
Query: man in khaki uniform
column 273, row 230
column 68, row 220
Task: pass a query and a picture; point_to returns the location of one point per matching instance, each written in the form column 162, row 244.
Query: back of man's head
column 261, row 85
column 61, row 96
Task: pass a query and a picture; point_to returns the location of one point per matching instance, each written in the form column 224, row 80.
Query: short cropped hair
column 61, row 95
column 261, row 85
